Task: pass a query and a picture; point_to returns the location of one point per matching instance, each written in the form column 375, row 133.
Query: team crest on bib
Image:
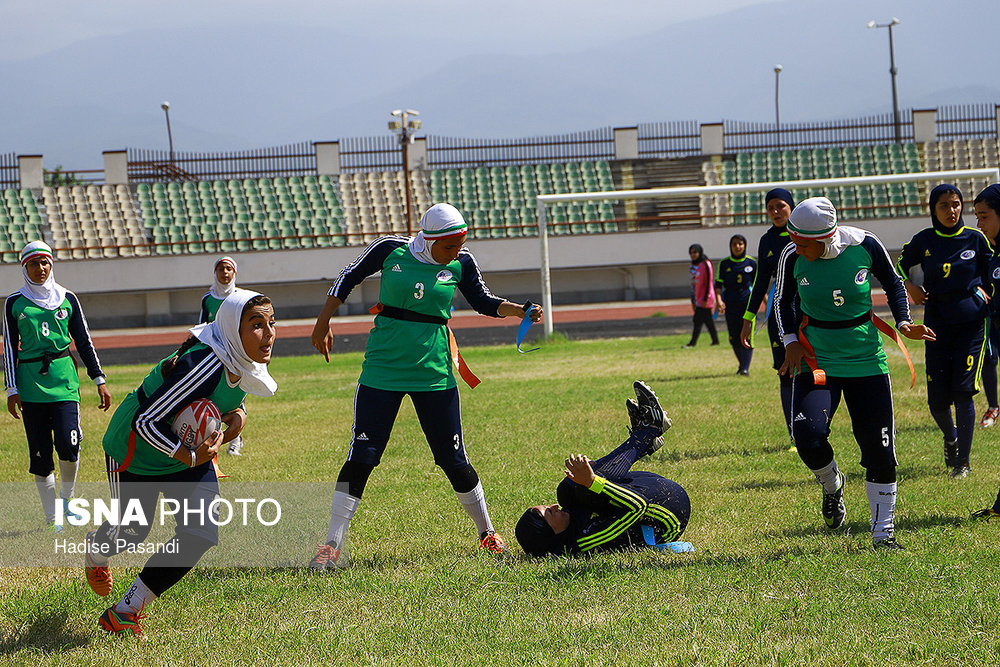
column 996, row 273
column 861, row 277
column 61, row 314
column 968, row 254
column 747, row 269
column 444, row 275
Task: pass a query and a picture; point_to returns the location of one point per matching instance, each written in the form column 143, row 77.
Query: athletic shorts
column 954, row 361
column 49, row 425
column 440, row 416
column 869, row 404
column 191, row 488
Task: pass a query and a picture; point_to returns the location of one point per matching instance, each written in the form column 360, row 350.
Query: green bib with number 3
column 835, row 290
column 412, row 356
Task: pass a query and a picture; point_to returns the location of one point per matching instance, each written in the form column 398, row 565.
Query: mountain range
column 248, row 85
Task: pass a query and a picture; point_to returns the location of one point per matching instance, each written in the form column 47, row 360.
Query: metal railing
column 669, row 139
column 456, row 153
column 743, row 136
column 145, row 166
column 10, row 174
column 968, row 121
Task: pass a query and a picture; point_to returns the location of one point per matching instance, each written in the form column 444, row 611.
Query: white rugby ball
column 196, row 422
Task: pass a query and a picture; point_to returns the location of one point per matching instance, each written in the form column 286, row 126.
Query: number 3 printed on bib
column 419, row 293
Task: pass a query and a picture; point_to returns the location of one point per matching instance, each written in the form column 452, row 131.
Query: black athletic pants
column 703, row 316
column 869, row 403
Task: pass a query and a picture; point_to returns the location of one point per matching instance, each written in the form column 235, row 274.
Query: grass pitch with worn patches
column 768, row 583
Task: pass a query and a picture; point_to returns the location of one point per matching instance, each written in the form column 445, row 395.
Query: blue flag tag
column 677, row 547
column 522, row 331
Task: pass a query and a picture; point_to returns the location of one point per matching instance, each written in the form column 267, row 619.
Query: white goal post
column 992, row 173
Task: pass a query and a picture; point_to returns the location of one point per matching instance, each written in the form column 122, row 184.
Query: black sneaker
column 984, row 515
column 960, row 471
column 650, row 413
column 950, row 453
column 887, row 544
column 834, row 511
column 634, row 414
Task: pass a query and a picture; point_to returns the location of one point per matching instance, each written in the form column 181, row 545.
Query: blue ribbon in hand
column 522, row 330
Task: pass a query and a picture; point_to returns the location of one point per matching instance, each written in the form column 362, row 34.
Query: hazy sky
column 84, row 76
column 33, row 27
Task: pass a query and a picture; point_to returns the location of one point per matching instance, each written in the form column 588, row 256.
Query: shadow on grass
column 573, row 568
column 684, row 378
column 48, row 633
column 768, row 484
column 862, row 526
column 676, row 455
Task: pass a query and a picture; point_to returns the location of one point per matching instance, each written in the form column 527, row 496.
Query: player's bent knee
column 463, row 478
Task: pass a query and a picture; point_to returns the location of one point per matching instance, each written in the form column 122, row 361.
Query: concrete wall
column 614, row 267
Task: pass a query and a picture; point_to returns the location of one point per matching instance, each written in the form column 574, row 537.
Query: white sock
column 828, row 476
column 474, row 503
column 882, row 501
column 135, row 598
column 344, row 507
column 67, row 478
column 47, row 492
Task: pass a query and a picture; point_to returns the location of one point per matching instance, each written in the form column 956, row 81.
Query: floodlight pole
column 170, row 137
column 892, row 72
column 777, row 115
column 406, row 130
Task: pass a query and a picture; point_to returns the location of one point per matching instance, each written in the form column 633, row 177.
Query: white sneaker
column 235, row 445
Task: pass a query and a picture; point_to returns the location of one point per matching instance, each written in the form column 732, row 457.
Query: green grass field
column 768, row 583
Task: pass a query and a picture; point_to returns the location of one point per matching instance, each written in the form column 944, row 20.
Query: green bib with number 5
column 835, row 290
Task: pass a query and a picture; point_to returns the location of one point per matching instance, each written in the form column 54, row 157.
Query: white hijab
column 218, row 290
column 816, row 218
column 50, row 294
column 223, row 336
column 440, row 221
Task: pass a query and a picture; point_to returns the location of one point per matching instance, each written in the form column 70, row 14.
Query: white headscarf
column 223, row 336
column 50, row 294
column 218, row 290
column 816, row 218
column 440, row 221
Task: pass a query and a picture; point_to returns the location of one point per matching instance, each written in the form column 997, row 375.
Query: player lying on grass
column 604, row 504
column 222, row 361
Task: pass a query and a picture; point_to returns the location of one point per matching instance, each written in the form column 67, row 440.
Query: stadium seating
column 238, row 215
column 500, row 202
column 891, row 200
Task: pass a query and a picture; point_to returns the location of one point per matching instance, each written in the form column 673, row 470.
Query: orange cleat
column 98, row 576
column 492, row 542
column 120, row 623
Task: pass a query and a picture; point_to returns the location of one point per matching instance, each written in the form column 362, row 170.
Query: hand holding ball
column 195, row 423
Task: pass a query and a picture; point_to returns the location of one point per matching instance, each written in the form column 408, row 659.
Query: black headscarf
column 738, row 237
column 536, row 536
column 696, row 247
column 990, row 196
column 782, row 194
column 936, row 194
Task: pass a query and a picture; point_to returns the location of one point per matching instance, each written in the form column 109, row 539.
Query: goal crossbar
column 543, row 201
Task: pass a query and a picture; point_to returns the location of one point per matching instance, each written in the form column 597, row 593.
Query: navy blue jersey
column 735, row 279
column 994, row 289
column 954, row 266
column 769, row 248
